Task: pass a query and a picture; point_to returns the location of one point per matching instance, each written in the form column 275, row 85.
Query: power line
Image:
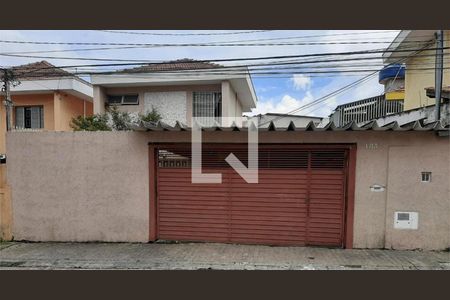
column 171, row 75
column 245, row 32
column 206, row 44
column 263, row 39
column 374, row 51
column 365, row 78
column 326, row 97
column 256, row 66
column 183, row 34
column 223, row 42
column 99, row 59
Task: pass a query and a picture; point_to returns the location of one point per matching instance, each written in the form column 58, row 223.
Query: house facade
column 353, row 186
column 419, row 72
column 178, row 90
column 46, row 98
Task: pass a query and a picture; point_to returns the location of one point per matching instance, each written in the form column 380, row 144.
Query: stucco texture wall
column 79, row 186
column 172, row 106
column 429, row 199
column 94, row 186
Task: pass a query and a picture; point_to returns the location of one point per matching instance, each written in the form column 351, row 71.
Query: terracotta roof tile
column 39, row 70
column 175, row 65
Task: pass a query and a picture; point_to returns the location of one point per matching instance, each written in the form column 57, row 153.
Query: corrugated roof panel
column 353, row 126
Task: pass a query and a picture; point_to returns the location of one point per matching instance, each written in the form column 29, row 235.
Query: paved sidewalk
column 194, row 256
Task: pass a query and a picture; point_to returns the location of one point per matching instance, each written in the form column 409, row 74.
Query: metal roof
column 371, row 126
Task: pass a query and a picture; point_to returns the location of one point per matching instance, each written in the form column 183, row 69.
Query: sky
column 278, row 95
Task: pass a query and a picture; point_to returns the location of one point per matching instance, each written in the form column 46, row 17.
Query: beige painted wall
column 5, row 206
column 79, row 186
column 58, row 112
column 430, row 200
column 70, row 107
column 231, row 108
column 99, row 99
column 417, row 80
column 78, row 196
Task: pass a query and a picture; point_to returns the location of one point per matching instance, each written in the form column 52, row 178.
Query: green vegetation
column 97, row 122
column 151, row 116
column 113, row 119
column 120, row 120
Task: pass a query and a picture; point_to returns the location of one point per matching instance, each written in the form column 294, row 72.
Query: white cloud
column 301, row 82
column 323, row 109
column 285, row 104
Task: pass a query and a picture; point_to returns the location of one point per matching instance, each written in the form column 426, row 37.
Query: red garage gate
column 301, row 197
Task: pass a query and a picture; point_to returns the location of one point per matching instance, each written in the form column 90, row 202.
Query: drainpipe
column 438, row 72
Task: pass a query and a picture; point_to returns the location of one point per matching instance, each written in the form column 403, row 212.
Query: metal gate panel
column 326, row 208
column 270, row 212
column 299, row 199
column 188, row 211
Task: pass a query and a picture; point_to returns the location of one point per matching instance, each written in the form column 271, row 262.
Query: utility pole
column 7, row 78
column 439, row 66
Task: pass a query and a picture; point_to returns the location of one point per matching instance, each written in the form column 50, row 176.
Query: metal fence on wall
column 365, row 110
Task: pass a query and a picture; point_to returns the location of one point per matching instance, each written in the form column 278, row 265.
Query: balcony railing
column 365, row 110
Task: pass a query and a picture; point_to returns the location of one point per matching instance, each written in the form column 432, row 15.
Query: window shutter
column 20, row 117
column 35, row 117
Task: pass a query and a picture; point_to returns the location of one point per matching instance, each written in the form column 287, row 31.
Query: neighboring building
column 179, row 90
column 46, row 98
column 408, row 80
column 393, row 79
column 365, row 110
column 419, row 73
column 283, row 120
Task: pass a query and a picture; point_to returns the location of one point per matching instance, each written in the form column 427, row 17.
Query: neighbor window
column 29, row 117
column 426, row 176
column 207, row 105
column 123, row 99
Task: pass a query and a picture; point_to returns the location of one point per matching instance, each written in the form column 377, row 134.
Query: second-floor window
column 123, row 99
column 29, row 117
column 207, row 105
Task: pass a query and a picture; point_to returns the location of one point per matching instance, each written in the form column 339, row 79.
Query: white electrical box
column 406, row 220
